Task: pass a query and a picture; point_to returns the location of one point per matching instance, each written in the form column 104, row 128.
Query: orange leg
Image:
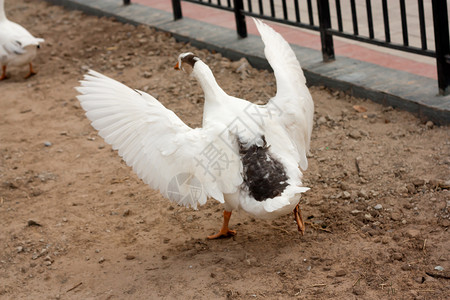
column 3, row 73
column 299, row 219
column 224, row 231
column 31, row 73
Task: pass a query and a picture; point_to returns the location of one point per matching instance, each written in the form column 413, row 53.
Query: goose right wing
column 293, row 99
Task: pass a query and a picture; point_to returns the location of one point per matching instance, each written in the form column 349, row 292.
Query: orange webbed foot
column 31, row 73
column 224, row 231
column 222, row 234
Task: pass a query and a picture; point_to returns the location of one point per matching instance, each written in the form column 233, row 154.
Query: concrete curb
column 389, row 87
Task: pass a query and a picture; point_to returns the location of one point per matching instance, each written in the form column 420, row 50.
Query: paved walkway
column 397, row 79
column 412, row 63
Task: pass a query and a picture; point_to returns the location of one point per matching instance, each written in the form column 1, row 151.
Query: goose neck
column 205, row 77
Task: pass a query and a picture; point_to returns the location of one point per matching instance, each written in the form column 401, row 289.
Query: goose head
column 186, row 62
column 190, row 63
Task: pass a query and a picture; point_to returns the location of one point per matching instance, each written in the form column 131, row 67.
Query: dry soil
column 77, row 223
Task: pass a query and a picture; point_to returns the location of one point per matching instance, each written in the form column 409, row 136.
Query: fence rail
column 327, row 17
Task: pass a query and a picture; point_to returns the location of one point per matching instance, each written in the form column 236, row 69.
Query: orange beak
column 177, row 66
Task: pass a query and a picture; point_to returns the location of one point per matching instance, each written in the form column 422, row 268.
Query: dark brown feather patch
column 189, row 59
column 264, row 176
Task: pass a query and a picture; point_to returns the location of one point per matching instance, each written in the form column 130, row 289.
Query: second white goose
column 17, row 46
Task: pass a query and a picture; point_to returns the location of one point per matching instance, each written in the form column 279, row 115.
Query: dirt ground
column 77, row 223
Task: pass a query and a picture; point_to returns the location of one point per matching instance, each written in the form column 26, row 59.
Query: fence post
column 326, row 38
column 241, row 26
column 126, row 2
column 176, row 7
column 441, row 40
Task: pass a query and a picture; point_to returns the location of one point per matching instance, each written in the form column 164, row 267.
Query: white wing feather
column 186, row 165
column 293, row 98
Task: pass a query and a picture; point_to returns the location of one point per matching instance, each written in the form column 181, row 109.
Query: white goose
column 17, row 46
column 246, row 156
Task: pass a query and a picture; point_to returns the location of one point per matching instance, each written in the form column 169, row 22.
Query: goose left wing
column 292, row 102
column 186, row 165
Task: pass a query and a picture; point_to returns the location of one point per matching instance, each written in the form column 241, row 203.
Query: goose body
column 246, row 156
column 17, row 46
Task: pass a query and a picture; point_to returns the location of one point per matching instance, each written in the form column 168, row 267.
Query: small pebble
column 346, row 195
column 357, row 290
column 420, row 279
column 413, row 233
column 345, row 186
column 101, row 260
column 33, row 223
column 378, row 206
column 397, row 256
column 395, row 216
column 341, row 273
column 47, row 144
column 444, row 184
column 355, row 135
column 321, row 120
column 406, row 267
column 130, row 257
column 418, row 182
column 411, row 188
column 363, row 193
column 439, row 268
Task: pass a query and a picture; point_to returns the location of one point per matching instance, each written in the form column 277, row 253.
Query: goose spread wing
column 186, row 165
column 292, row 100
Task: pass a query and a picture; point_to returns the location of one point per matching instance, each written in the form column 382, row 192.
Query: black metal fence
column 326, row 17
